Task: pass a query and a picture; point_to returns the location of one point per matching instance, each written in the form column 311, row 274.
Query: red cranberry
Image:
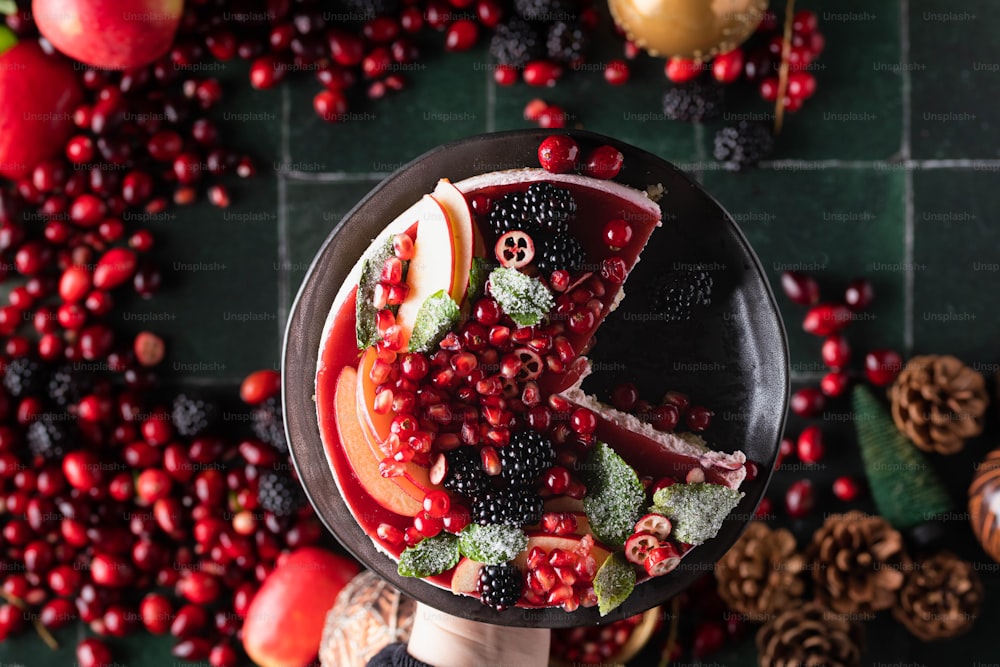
column 846, row 489
column 93, row 653
column 604, row 162
column 192, row 649
column 836, row 352
column 541, row 73
column 801, row 288
column 859, row 294
column 505, row 75
column 330, row 105
column 680, row 70
column 882, row 366
column 266, row 72
column 799, row 499
column 82, row 470
column 727, row 67
column 807, row 402
column 826, row 319
column 810, row 445
column 223, row 655
column 616, row 73
column 558, row 154
column 461, row 35
column 834, row 383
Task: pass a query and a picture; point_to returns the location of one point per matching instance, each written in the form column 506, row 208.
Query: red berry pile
column 593, row 645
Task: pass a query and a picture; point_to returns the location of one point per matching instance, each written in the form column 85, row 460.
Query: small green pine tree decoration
column 903, row 484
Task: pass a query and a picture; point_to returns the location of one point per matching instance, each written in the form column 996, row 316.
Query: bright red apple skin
column 284, row 623
column 38, row 93
column 109, row 33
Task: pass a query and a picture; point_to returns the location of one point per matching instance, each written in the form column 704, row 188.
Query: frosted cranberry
column 616, row 73
column 461, row 35
column 799, row 499
column 330, row 105
column 834, row 383
column 807, row 402
column 846, row 489
column 810, row 446
column 266, row 72
column 859, row 294
column 680, row 70
column 542, row 73
column 698, row 418
column 801, row 288
column 882, row 366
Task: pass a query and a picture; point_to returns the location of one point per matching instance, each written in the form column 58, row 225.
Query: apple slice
column 383, row 490
column 464, row 232
column 432, row 267
column 465, row 576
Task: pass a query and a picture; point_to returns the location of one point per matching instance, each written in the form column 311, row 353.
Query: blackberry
column 278, row 493
column 743, row 145
column 551, row 207
column 562, row 251
column 465, row 473
column 24, row 377
column 526, row 456
column 370, row 8
column 268, row 425
column 567, row 42
column 511, row 212
column 193, row 415
column 693, row 101
column 49, row 438
column 546, row 10
column 67, row 386
column 676, row 293
column 516, row 42
column 515, row 506
column 500, row 586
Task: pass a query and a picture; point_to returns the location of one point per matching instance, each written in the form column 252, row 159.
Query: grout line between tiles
column 283, row 262
column 909, row 277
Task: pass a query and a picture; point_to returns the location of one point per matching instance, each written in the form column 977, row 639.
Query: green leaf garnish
column 435, row 318
column 522, row 297
column 492, row 544
column 432, row 555
column 7, row 37
column 696, row 510
column 478, row 273
column 614, row 582
column 615, row 497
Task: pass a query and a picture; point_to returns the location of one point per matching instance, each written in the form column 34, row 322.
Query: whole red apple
column 109, row 33
column 38, row 93
column 284, row 623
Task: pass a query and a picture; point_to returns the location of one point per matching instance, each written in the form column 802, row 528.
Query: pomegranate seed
column 808, row 402
column 882, row 366
column 859, row 294
column 836, row 352
column 826, row 319
column 801, row 288
column 624, row 396
column 699, row 418
column 799, row 499
column 680, row 70
column 834, row 383
column 846, row 489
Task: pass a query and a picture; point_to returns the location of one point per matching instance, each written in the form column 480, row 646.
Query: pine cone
column 762, row 573
column 941, row 598
column 938, row 402
column 858, row 563
column 808, row 635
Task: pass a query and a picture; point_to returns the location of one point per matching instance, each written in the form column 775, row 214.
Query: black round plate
column 731, row 356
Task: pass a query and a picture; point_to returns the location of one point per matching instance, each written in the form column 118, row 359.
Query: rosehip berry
column 882, row 366
column 558, row 154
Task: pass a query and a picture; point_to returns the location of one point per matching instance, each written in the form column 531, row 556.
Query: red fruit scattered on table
column 826, row 319
column 285, row 619
column 846, row 489
column 149, row 349
column 882, row 366
column 542, row 73
column 534, row 108
column 727, row 67
column 836, row 352
column 616, row 73
column 93, row 653
column 834, row 383
column 859, row 294
column 807, row 402
column 801, row 288
column 39, row 95
column 260, row 386
column 785, row 449
column 799, row 499
column 764, row 509
column 680, row 70
column 810, row 445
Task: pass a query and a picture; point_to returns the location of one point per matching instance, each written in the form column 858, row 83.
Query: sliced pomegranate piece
column 515, row 249
column 662, row 559
column 656, row 524
column 639, row 546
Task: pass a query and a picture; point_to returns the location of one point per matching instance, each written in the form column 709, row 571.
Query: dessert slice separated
column 449, row 399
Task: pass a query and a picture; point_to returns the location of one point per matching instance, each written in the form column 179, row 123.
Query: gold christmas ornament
column 698, row 29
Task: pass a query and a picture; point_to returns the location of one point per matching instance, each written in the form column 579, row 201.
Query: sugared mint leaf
column 696, row 510
column 615, row 496
column 432, row 555
column 522, row 297
column 614, row 582
column 492, row 544
column 435, row 318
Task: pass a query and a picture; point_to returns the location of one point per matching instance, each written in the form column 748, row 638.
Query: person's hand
column 443, row 640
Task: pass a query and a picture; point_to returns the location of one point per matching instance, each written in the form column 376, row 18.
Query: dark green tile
column 445, row 100
column 314, row 209
column 956, row 80
column 956, row 247
column 834, row 223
